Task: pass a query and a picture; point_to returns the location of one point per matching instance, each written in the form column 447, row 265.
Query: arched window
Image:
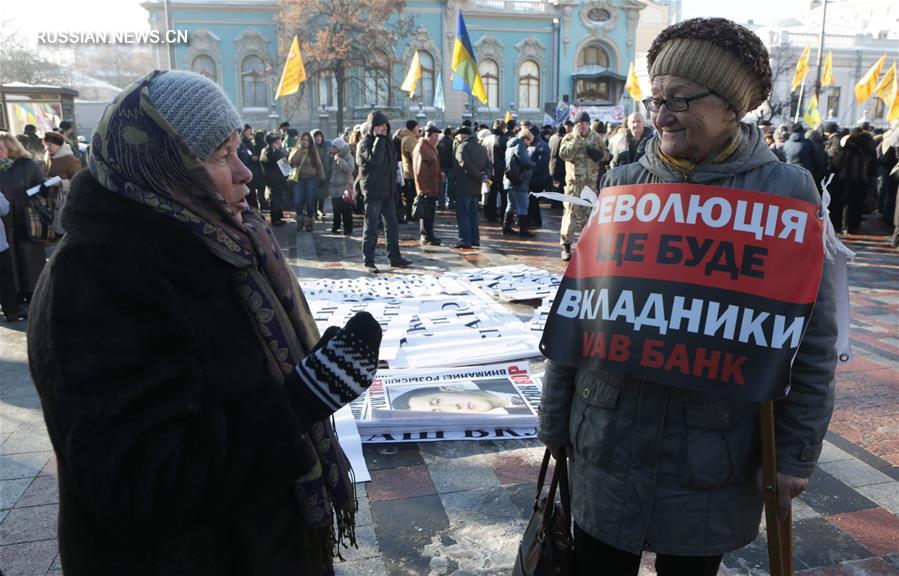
column 490, row 78
column 252, row 76
column 424, row 91
column 529, row 85
column 377, row 80
column 593, row 55
column 205, row 65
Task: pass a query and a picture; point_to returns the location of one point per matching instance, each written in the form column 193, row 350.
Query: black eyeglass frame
column 648, row 102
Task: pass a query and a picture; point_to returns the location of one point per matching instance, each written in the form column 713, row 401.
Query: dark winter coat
column 857, row 160
column 517, row 151
column 445, row 153
column 274, row 178
column 800, row 152
column 671, row 470
column 174, row 441
column 472, row 167
column 495, row 144
column 539, row 152
column 556, row 164
column 28, row 257
column 377, row 161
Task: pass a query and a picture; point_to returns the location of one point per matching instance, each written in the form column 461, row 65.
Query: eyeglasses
column 674, row 104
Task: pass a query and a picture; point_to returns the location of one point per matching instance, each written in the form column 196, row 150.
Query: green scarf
column 6, row 164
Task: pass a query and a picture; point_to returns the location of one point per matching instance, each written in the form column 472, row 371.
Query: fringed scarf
column 136, row 153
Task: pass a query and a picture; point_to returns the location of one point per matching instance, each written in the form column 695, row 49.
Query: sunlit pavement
column 459, row 508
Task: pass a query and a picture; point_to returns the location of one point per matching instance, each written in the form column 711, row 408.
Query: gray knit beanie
column 718, row 54
column 196, row 108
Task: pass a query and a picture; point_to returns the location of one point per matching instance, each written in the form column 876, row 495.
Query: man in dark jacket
column 633, row 146
column 377, row 160
column 473, row 169
column 557, row 165
column 447, row 166
column 857, row 168
column 275, row 181
column 495, row 145
column 540, row 181
column 831, row 151
column 801, row 152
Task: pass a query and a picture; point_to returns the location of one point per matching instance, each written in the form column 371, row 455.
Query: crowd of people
column 862, row 159
column 404, row 176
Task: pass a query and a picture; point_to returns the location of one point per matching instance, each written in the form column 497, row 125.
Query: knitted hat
column 51, row 137
column 196, row 108
column 272, row 138
column 411, row 124
column 464, row 130
column 433, row 129
column 376, row 118
column 582, row 116
column 718, row 54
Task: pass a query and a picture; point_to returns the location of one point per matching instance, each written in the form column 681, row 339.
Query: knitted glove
column 340, row 368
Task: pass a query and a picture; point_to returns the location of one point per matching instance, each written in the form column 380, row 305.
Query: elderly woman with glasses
column 666, row 469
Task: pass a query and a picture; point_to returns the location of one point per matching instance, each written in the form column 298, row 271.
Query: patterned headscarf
column 136, row 153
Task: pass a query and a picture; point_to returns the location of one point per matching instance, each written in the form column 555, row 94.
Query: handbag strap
column 541, row 478
column 559, row 481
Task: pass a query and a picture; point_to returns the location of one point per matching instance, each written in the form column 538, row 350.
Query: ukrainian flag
column 466, row 76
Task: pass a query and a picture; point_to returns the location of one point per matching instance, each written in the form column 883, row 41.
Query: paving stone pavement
column 457, row 508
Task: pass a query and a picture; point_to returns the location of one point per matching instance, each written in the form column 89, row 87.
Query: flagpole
column 820, row 51
column 799, row 104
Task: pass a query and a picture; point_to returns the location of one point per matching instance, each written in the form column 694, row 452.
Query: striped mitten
column 340, row 368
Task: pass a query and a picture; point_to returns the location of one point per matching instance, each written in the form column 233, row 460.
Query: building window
column 424, row 90
column 252, row 76
column 593, row 55
column 529, row 85
column 490, row 78
column 592, row 89
column 327, row 89
column 205, row 65
column 833, row 102
column 377, row 83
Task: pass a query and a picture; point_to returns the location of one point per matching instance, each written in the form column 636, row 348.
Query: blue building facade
column 531, row 54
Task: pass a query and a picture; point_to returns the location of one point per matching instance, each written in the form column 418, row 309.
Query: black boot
column 523, row 222
column 507, row 224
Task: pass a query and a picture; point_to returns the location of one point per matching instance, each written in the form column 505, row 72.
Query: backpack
column 513, row 171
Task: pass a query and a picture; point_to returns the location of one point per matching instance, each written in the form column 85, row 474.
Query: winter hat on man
column 718, row 54
column 432, row 129
column 582, row 116
column 272, row 138
column 51, row 137
column 411, row 124
column 376, row 118
column 196, row 108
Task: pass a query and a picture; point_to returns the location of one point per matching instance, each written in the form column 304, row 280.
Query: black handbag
column 547, row 547
column 40, row 214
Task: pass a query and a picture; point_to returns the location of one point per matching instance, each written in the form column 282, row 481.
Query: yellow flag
column 811, row 116
column 801, row 69
column 507, row 117
column 633, row 84
column 412, row 77
column 885, row 86
column 827, row 75
column 294, row 72
column 893, row 111
column 865, row 86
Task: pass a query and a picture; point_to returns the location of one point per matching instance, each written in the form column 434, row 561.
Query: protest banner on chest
column 693, row 286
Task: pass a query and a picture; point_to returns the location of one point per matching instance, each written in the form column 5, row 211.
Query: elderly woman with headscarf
column 185, row 387
column 667, row 469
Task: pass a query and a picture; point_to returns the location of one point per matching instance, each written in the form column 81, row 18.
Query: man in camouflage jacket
column 583, row 151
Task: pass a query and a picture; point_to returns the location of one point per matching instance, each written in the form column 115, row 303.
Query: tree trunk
column 340, row 74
